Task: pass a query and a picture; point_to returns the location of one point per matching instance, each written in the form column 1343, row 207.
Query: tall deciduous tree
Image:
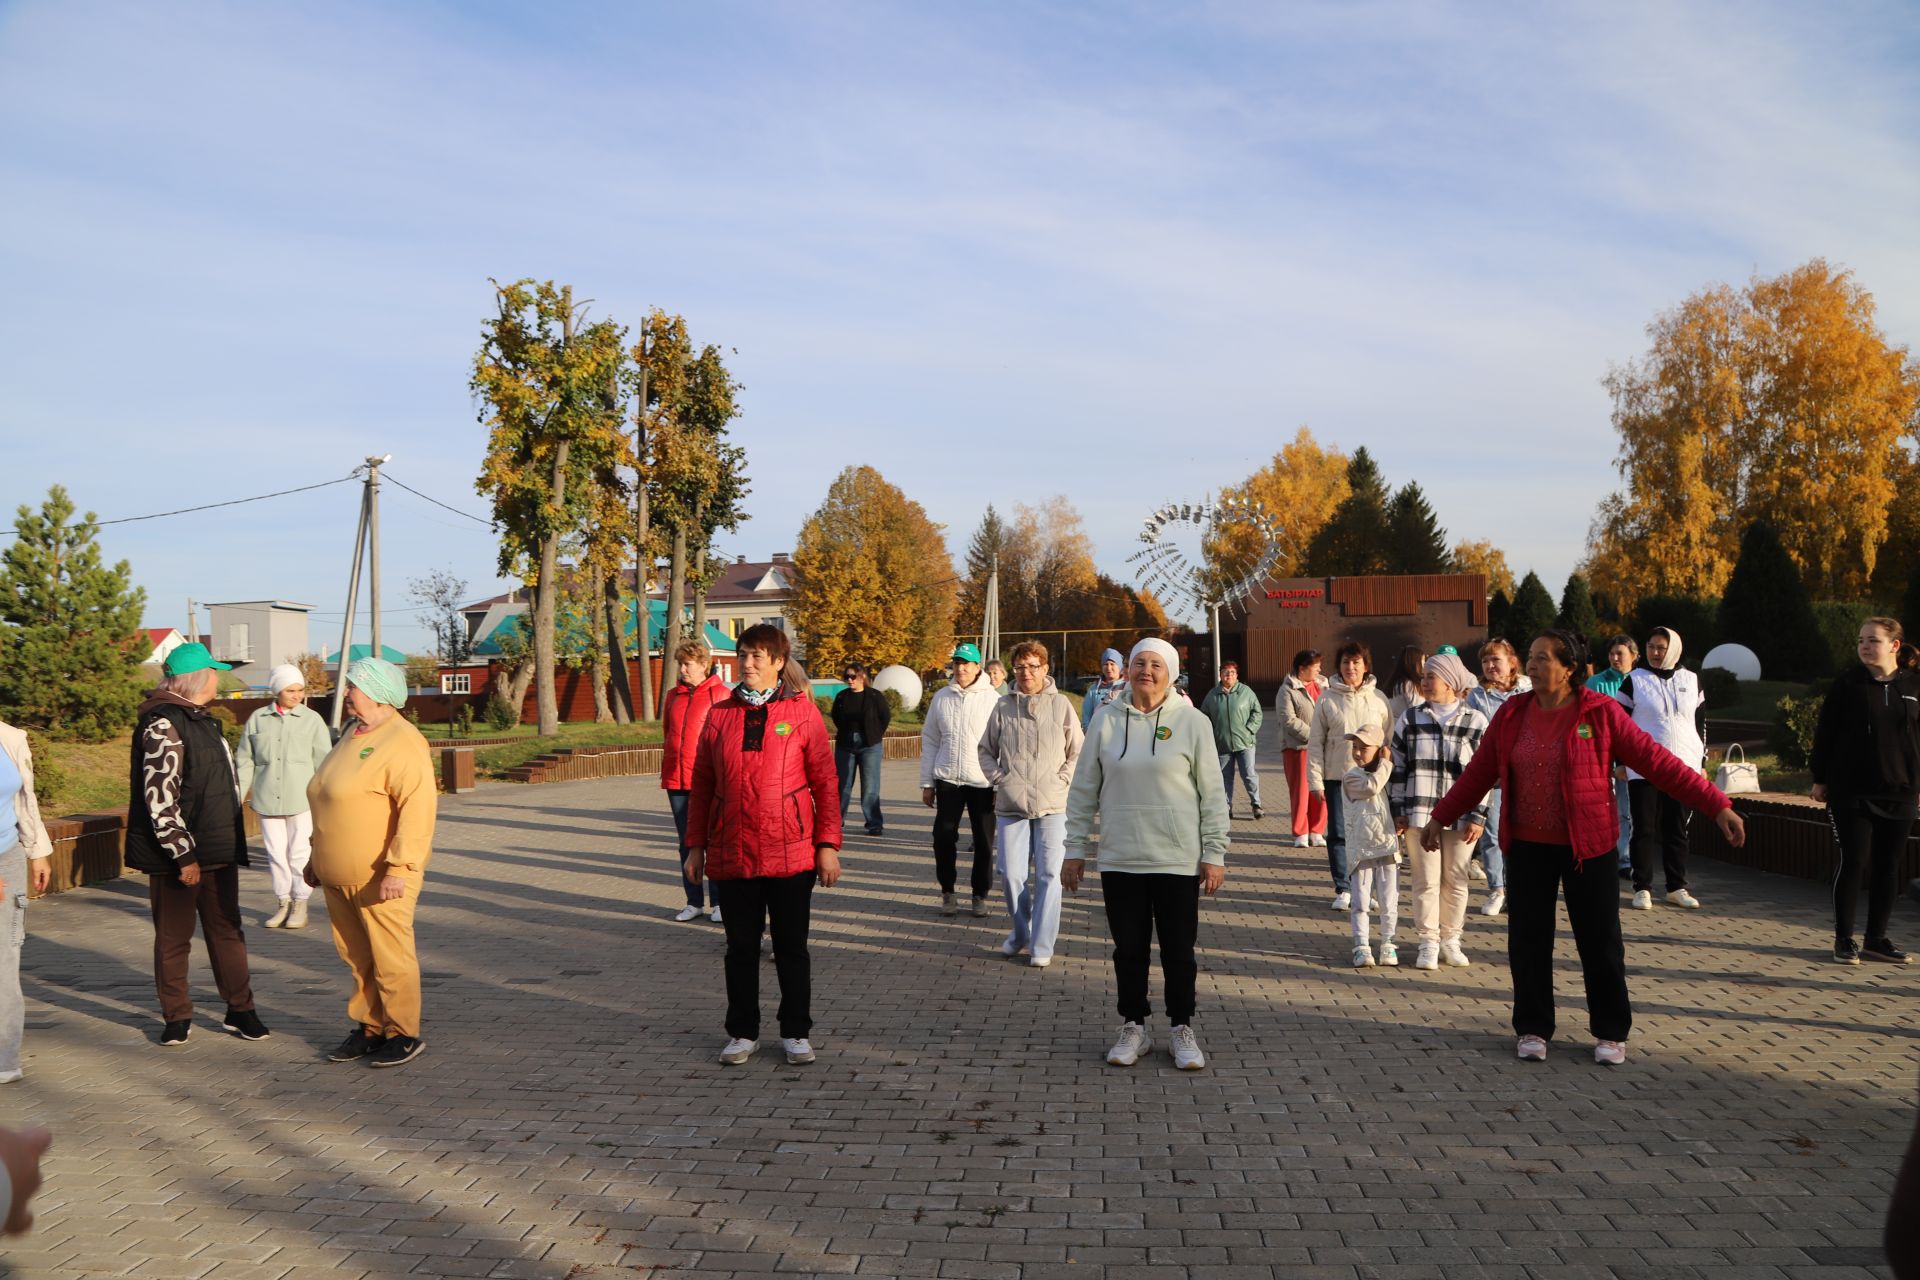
column 71, row 649
column 1300, row 488
column 1765, row 607
column 873, row 580
column 1531, row 613
column 1481, row 556
column 1577, row 613
column 1353, row 541
column 440, row 592
column 541, row 379
column 1415, row 541
column 1780, row 401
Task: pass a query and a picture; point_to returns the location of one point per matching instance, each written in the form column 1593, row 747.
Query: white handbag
column 1737, row 777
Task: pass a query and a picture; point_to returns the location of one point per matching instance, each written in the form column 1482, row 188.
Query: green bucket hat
column 379, row 680
column 967, row 653
column 191, row 657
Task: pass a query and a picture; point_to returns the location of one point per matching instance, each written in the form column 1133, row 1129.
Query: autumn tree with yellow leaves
column 1780, row 401
column 873, row 580
column 1300, row 488
column 1481, row 556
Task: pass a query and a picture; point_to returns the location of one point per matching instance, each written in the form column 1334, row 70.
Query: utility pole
column 369, row 521
column 193, row 622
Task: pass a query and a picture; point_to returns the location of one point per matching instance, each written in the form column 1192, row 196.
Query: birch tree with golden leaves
column 1301, row 486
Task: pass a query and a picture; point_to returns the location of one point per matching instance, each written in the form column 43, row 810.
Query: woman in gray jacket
column 25, row 866
column 1028, row 754
column 281, row 747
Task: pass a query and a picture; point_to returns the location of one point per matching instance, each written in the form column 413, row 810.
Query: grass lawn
column 493, row 762
column 1757, row 698
column 96, row 775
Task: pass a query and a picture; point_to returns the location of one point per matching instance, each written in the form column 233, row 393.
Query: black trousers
column 1660, row 824
column 1535, row 875
column 215, row 904
column 948, row 801
column 747, row 908
column 1870, row 846
column 1138, row 905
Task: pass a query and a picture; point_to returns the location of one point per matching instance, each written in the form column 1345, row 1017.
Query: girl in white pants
column 279, row 750
column 1373, row 850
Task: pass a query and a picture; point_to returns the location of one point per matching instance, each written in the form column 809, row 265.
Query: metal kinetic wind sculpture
column 1165, row 570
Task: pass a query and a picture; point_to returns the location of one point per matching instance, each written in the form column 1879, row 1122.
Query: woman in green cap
column 374, row 802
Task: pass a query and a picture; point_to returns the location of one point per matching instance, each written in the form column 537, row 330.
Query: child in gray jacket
column 1373, row 851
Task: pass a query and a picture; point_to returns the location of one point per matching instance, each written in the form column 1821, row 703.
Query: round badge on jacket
column 1585, row 730
column 783, row 729
column 1163, row 733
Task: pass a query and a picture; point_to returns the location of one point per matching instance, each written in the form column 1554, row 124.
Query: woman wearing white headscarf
column 282, row 745
column 25, row 865
column 1149, row 772
column 1664, row 699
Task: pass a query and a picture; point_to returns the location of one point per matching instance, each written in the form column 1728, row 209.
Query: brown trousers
column 215, row 902
column 375, row 938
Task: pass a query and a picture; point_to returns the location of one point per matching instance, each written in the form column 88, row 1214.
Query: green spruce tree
column 1577, row 611
column 1910, row 607
column 1532, row 611
column 1498, row 610
column 71, row 650
column 1354, row 541
column 1415, row 541
column 1765, row 608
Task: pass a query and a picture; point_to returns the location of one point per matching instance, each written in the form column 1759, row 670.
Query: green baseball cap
column 967, row 653
column 1447, row 648
column 191, row 657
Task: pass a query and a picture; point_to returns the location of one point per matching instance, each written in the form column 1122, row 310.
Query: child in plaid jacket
column 1432, row 743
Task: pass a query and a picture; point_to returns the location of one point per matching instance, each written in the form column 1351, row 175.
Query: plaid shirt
column 1428, row 757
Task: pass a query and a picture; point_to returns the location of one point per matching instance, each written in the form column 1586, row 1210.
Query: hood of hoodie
column 1024, row 702
column 161, row 698
column 1336, row 685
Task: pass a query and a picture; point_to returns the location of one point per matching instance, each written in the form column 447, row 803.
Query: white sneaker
column 1642, row 901
column 8, row 1077
column 685, row 914
column 1681, row 898
column 949, row 904
column 798, row 1051
column 1318, row 842
column 1609, row 1053
column 1343, row 901
column 279, row 917
column 1009, row 948
column 1532, row 1049
column 738, row 1051
column 297, row 918
column 1186, row 1049
column 1476, row 872
column 1300, row 842
column 1451, row 953
column 1363, row 957
column 1428, row 957
column 714, row 915
column 1039, row 962
column 1496, row 903
column 1133, row 1042
column 1389, row 954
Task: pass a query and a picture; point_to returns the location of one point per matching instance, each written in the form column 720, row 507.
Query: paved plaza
column 569, row 1118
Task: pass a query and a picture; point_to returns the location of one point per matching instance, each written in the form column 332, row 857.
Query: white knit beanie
column 1168, row 654
column 284, row 677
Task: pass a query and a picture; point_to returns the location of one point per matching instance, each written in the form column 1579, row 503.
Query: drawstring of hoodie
column 1153, row 739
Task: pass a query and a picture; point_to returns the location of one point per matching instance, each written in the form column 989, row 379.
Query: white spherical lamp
column 901, row 680
column 1741, row 661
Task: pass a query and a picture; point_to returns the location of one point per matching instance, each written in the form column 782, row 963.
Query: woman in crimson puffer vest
column 1552, row 753
column 763, row 822
column 683, row 716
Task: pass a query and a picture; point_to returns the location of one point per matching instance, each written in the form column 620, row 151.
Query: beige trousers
column 1439, row 885
column 375, row 938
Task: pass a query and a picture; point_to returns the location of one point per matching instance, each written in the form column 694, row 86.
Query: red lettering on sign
column 1302, row 594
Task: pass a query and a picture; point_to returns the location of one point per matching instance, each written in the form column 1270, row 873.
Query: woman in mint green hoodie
column 1149, row 772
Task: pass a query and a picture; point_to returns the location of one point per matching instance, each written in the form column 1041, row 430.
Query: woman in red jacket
column 683, row 714
column 1552, row 753
column 763, row 822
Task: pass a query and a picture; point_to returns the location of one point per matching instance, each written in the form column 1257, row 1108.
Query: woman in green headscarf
column 374, row 801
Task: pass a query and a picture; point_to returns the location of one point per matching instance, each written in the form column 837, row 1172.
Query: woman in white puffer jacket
column 951, row 780
column 1351, row 699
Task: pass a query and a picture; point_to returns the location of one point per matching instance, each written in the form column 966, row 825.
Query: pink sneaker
column 1609, row 1053
column 1533, row 1049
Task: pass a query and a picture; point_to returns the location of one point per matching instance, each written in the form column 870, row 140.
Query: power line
column 233, row 502
column 388, row 475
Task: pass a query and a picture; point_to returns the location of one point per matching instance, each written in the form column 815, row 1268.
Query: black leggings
column 1139, row 904
column 1659, row 824
column 1870, row 843
column 949, row 801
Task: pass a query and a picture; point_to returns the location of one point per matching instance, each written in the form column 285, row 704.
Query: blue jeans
column 1039, row 845
column 867, row 760
column 1244, row 761
column 696, row 889
column 1337, row 838
column 1488, row 850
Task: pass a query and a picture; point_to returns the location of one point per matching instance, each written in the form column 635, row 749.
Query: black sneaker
column 356, row 1046
column 1847, row 952
column 1256, row 813
column 174, row 1034
column 246, row 1024
column 1884, row 951
column 398, row 1050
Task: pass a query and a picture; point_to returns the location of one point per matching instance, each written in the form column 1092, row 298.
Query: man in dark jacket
column 860, row 719
column 185, row 830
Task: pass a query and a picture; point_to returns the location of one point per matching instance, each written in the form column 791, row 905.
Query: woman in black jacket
column 860, row 719
column 1866, row 769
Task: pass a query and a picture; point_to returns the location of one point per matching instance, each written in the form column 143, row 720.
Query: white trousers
column 289, row 842
column 1376, row 882
column 1439, row 885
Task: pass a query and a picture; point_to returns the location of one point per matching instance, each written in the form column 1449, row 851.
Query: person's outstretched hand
column 1731, row 827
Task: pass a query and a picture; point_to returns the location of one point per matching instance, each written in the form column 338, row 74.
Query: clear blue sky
column 1118, row 251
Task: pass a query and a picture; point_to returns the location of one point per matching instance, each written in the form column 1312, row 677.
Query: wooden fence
column 1789, row 836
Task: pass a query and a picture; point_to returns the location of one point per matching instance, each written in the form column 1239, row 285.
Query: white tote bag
column 1737, row 777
